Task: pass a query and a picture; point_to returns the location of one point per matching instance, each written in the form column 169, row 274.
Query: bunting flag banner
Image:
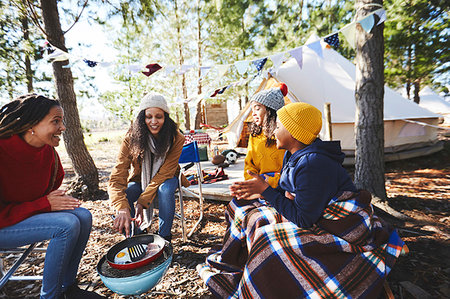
column 297, row 53
column 333, row 40
column 277, row 59
column 316, row 47
column 349, row 32
column 382, row 15
column 204, row 70
column 259, row 63
column 90, row 63
column 168, row 69
column 152, row 68
column 367, row 23
column 222, row 69
column 242, row 66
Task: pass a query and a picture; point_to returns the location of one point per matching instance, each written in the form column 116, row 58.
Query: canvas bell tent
column 433, row 102
column 409, row 129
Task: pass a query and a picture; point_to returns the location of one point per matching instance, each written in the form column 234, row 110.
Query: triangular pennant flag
column 152, row 68
column 168, row 69
column 204, row 70
column 349, row 32
column 134, row 68
column 57, row 55
column 90, row 63
column 184, row 68
column 316, row 47
column 223, row 89
column 242, row 66
column 222, row 69
column 277, row 59
column 367, row 23
column 259, row 63
column 333, row 40
column 297, row 53
column 214, row 93
column 105, row 64
column 381, row 13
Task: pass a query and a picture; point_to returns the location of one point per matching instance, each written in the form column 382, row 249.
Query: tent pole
column 327, row 111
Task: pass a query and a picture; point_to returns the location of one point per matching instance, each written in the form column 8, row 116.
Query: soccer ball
column 231, row 156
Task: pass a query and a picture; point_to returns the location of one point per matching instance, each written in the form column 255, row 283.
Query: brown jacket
column 129, row 170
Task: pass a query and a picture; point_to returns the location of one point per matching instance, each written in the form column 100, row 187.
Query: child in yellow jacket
column 263, row 157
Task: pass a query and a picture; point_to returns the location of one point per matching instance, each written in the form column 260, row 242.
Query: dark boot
column 74, row 292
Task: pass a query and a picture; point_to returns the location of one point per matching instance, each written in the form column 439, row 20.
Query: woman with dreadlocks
column 263, row 157
column 32, row 208
column 147, row 168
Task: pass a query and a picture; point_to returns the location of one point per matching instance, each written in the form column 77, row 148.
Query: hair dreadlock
column 139, row 133
column 24, row 112
column 268, row 127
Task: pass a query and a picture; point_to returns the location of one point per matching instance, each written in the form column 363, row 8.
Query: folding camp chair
column 190, row 155
column 23, row 252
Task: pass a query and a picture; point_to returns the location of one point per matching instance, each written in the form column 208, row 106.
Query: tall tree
column 369, row 94
column 417, row 42
column 87, row 174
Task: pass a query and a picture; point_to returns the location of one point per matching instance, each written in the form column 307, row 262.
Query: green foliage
column 416, row 42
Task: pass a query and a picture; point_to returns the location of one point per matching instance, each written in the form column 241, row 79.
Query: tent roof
column 332, row 79
column 433, row 102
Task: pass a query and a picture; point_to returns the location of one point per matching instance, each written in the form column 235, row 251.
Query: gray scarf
column 151, row 163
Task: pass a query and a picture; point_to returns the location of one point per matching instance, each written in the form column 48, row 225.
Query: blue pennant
column 333, row 40
column 259, row 64
column 90, row 63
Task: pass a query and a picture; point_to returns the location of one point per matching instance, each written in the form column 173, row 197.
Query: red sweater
column 25, row 173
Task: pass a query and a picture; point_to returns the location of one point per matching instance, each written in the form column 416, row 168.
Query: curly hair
column 24, row 112
column 139, row 132
column 268, row 127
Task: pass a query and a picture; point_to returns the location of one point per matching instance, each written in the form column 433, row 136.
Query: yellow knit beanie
column 302, row 120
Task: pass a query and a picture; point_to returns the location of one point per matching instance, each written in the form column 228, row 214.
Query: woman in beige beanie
column 147, row 168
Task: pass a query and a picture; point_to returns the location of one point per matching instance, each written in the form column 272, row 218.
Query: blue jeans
column 166, row 202
column 68, row 232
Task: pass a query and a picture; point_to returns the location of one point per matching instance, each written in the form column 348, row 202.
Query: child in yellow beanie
column 314, row 236
column 312, row 172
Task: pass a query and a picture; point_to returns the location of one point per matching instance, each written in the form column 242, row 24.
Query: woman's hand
column 59, row 201
column 139, row 214
column 123, row 222
column 249, row 189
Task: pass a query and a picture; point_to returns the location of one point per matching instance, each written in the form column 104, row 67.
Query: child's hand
column 250, row 188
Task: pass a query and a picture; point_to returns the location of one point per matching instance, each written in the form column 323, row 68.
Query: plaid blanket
column 347, row 254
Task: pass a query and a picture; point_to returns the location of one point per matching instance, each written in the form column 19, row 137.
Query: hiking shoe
column 74, row 292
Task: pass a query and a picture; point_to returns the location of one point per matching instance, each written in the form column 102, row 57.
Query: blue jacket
column 314, row 175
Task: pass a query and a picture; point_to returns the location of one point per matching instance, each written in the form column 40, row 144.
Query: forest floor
column 418, row 188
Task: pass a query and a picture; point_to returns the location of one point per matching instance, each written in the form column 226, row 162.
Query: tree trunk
column 86, row 184
column 26, row 38
column 198, row 115
column 187, row 115
column 416, row 91
column 369, row 93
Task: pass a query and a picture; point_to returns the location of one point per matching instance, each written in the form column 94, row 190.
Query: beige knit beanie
column 154, row 100
column 302, row 120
